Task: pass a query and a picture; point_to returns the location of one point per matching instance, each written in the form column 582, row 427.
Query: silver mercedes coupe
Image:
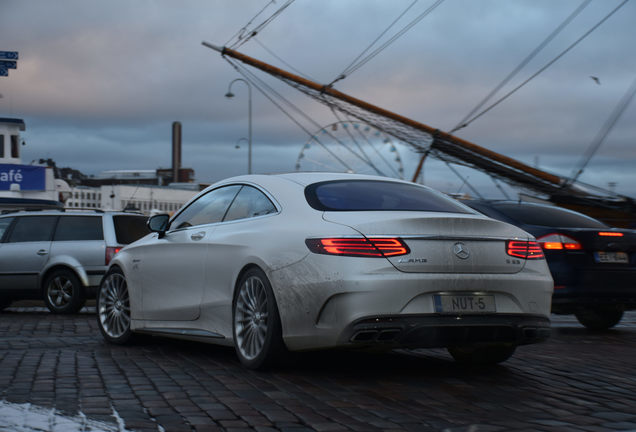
column 304, row 261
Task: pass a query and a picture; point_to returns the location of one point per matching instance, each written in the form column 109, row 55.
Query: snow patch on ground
column 31, row 418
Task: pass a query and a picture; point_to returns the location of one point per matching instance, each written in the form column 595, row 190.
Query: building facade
column 144, row 198
column 24, row 181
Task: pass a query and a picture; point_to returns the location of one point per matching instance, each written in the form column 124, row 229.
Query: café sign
column 28, row 177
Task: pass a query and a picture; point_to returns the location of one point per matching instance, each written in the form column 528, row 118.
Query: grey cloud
column 99, row 83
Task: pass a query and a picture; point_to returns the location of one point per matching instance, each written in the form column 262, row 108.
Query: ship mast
column 425, row 139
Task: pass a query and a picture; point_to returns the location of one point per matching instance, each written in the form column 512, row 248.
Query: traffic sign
column 4, row 71
column 8, row 64
column 8, row 55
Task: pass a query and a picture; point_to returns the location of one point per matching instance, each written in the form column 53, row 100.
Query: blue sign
column 8, row 55
column 9, row 64
column 4, row 71
column 28, row 177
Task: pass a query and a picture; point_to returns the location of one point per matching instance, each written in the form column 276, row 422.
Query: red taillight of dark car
column 524, row 249
column 558, row 242
column 358, row 247
column 610, row 234
column 110, row 253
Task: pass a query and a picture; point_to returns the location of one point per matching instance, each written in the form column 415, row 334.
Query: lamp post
column 229, row 94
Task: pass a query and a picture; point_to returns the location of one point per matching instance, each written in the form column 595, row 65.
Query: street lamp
column 238, row 141
column 229, row 94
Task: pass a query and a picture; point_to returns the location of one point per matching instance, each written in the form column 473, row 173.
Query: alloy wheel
column 114, row 306
column 251, row 317
column 60, row 291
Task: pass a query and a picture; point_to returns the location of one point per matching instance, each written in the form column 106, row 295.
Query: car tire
column 486, row 355
column 113, row 308
column 600, row 317
column 256, row 323
column 63, row 292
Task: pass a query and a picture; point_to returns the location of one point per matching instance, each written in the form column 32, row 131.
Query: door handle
column 42, row 252
column 197, row 236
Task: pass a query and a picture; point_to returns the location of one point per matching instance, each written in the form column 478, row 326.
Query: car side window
column 4, row 225
column 250, row 202
column 32, row 229
column 79, row 228
column 208, row 208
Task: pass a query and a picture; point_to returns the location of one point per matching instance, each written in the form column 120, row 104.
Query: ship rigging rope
column 239, row 34
column 355, row 65
column 270, row 93
column 261, row 26
column 605, row 130
column 464, row 122
column 345, row 71
column 547, row 65
column 370, row 143
column 364, row 157
column 273, row 54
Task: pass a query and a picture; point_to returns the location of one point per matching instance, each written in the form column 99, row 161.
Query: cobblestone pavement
column 57, row 373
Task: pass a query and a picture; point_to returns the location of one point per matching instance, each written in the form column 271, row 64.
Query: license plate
column 611, row 257
column 464, row 303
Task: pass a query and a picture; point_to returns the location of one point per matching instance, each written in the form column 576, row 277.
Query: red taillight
column 610, row 234
column 524, row 249
column 358, row 247
column 558, row 242
column 110, row 253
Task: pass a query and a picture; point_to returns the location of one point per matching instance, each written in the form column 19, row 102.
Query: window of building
column 1, row 146
column 15, row 147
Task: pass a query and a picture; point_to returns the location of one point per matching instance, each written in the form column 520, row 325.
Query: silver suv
column 61, row 256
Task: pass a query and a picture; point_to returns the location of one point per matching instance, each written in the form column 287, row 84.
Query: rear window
column 129, row 228
column 548, row 216
column 373, row 195
column 79, row 228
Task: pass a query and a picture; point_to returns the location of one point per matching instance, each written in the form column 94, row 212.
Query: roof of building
column 15, row 121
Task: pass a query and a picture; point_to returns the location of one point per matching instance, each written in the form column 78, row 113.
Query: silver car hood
column 441, row 242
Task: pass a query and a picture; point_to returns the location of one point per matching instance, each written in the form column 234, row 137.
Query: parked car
column 593, row 265
column 60, row 256
column 305, row 261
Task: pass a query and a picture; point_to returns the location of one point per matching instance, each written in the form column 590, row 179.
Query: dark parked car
column 593, row 265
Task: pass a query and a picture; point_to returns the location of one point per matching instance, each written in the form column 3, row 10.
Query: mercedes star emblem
column 460, row 250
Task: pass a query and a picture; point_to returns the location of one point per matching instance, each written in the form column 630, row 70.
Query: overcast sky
column 99, row 83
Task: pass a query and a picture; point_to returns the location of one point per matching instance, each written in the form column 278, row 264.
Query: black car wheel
column 257, row 329
column 482, row 355
column 599, row 317
column 63, row 292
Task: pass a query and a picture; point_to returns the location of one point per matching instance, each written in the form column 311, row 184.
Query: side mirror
column 159, row 224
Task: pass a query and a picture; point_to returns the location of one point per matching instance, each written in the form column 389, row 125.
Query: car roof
column 306, row 178
column 67, row 212
column 494, row 202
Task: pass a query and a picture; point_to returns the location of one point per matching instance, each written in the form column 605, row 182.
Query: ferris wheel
column 350, row 146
